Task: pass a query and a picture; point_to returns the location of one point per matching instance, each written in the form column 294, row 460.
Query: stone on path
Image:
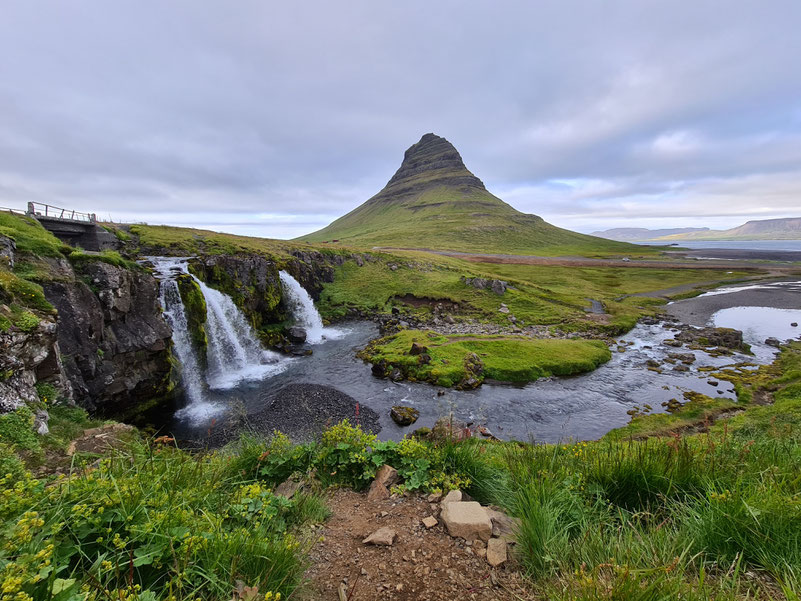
column 384, row 478
column 383, row 536
column 466, row 519
column 496, row 552
column 429, row 522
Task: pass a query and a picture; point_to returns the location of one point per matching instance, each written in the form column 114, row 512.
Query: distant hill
column 765, row 229
column 641, row 234
column 433, row 201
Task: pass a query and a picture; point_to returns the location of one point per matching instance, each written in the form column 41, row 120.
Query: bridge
column 72, row 227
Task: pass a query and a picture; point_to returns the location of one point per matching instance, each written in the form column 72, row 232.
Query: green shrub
column 16, row 429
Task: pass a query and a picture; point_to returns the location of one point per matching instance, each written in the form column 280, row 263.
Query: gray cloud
column 273, row 119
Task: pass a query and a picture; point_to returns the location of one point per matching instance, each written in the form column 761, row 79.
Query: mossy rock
column 195, row 311
column 404, row 416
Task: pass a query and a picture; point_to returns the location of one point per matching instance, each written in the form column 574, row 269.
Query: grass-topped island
column 466, row 361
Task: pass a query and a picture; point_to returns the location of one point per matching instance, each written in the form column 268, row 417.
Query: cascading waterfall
column 191, row 374
column 233, row 354
column 306, row 315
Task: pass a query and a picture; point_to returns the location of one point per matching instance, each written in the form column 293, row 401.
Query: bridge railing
column 38, row 209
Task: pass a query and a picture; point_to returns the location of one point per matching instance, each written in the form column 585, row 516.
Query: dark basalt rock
column 114, row 342
column 404, row 416
column 417, row 349
column 296, row 334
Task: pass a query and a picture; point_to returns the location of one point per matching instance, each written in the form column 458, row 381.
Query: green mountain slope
column 434, row 202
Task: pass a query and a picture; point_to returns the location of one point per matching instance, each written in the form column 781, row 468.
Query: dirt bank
column 698, row 311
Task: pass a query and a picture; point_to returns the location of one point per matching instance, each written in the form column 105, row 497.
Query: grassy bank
column 537, row 294
column 695, row 516
column 449, row 360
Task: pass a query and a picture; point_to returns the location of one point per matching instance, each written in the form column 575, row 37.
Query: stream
column 583, row 407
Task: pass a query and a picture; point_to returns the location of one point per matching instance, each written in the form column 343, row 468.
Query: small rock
column 429, row 522
column 296, row 334
column 453, row 496
column 496, row 552
column 681, row 367
column 713, row 382
column 794, row 324
column 288, row 488
column 383, row 536
column 775, row 342
column 434, row 497
column 404, row 416
column 417, row 349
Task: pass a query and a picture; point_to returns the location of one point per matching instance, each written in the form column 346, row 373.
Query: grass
column 29, row 236
column 545, row 295
column 506, row 359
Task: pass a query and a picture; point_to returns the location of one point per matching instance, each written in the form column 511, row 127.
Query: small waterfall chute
column 305, row 313
column 198, row 408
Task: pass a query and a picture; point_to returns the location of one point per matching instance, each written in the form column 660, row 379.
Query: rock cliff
column 114, row 341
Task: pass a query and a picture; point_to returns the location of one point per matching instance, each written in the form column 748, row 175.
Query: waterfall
column 306, row 315
column 234, row 355
column 191, row 375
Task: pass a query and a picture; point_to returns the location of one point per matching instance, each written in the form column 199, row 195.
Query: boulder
column 404, row 416
column 496, row 552
column 467, row 520
column 296, row 334
column 498, row 287
column 773, row 342
column 383, row 536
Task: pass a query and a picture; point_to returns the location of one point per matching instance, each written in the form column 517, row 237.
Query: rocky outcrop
column 497, row 286
column 7, row 249
column 114, row 342
column 251, row 281
column 28, row 357
column 195, row 310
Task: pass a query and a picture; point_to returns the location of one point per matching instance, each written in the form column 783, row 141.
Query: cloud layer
column 275, row 118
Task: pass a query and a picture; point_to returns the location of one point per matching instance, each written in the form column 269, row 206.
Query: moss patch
column 195, row 311
column 452, row 360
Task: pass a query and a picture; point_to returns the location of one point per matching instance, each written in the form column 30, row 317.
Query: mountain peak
column 433, row 161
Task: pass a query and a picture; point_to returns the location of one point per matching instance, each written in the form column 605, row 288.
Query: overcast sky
column 274, row 118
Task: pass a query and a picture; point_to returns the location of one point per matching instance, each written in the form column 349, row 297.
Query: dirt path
column 421, row 564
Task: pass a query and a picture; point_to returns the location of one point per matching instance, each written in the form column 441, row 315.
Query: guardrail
column 37, row 209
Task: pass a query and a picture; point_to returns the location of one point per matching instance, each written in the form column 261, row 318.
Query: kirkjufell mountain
column 433, row 201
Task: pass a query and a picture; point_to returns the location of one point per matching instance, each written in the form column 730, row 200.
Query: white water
column 234, row 355
column 198, row 408
column 306, row 315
